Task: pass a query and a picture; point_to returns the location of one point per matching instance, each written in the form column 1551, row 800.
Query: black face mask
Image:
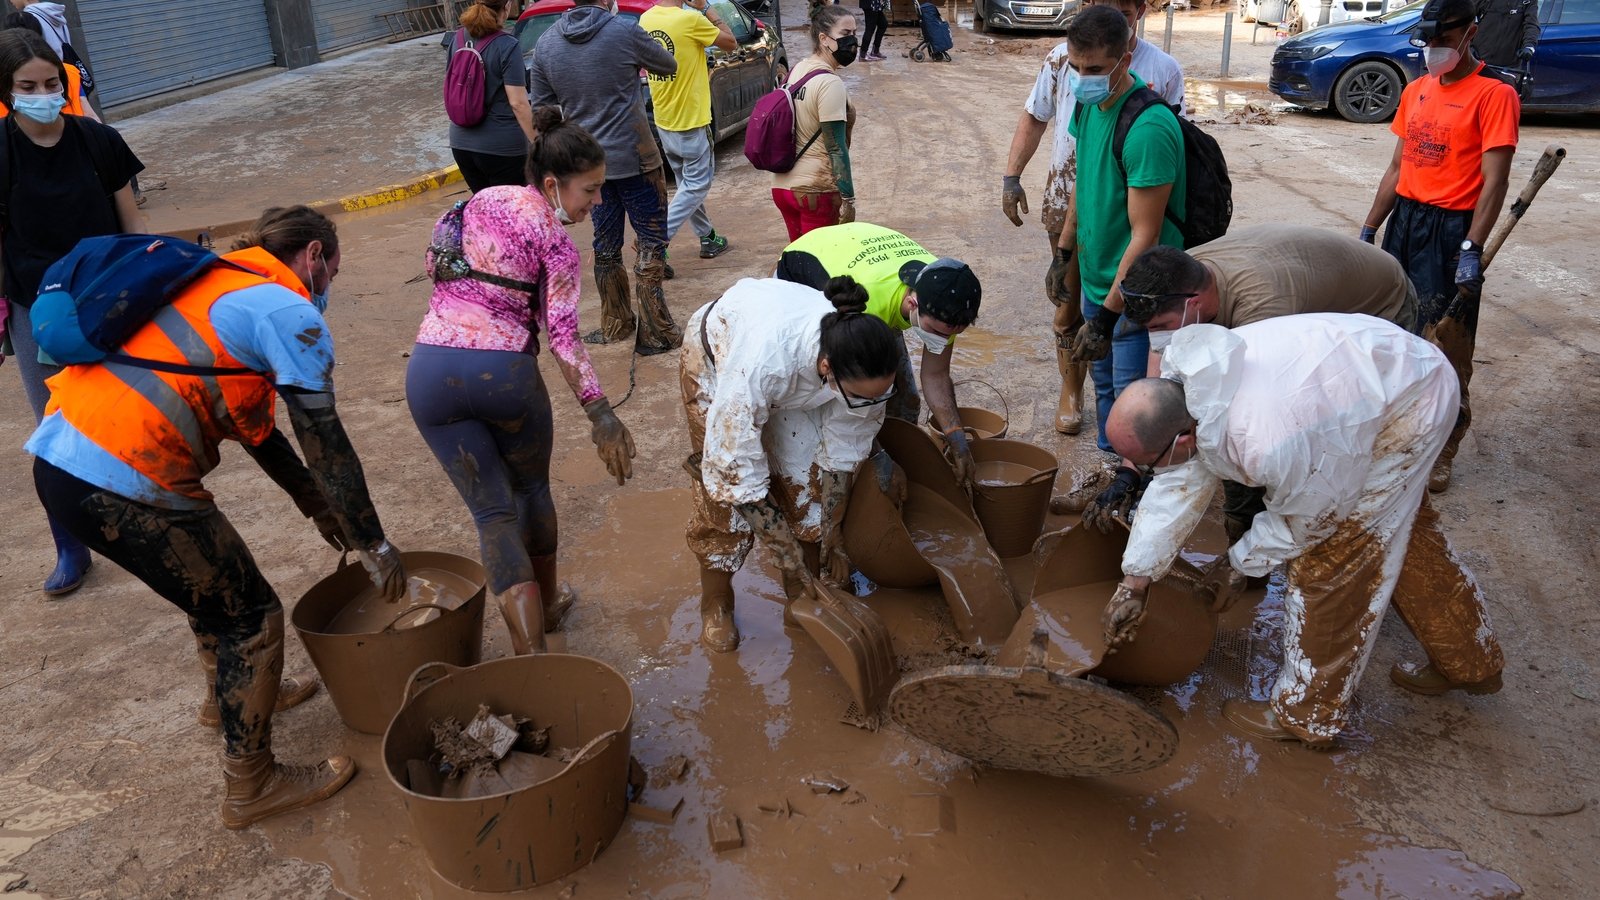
column 845, row 53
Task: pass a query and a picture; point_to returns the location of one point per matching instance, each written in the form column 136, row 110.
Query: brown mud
column 974, row 582
column 369, row 613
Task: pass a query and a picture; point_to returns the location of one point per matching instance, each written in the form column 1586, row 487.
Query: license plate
column 1038, row 10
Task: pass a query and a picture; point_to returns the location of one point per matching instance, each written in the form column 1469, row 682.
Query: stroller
column 935, row 35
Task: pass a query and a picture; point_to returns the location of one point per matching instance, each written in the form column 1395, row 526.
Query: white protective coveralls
column 1339, row 417
column 761, row 418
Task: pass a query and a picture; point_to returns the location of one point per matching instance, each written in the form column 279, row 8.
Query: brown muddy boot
column 658, row 333
column 258, row 787
column 293, row 690
column 524, row 614
column 1256, row 718
column 1069, row 410
column 1430, row 682
column 718, row 631
column 558, row 598
column 1439, row 478
column 616, row 306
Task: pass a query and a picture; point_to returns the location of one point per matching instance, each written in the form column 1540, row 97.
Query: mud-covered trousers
column 1426, row 239
column 486, row 416
column 718, row 535
column 640, row 201
column 195, row 560
column 1391, row 546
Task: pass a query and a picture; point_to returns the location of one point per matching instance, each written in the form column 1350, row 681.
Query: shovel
column 854, row 638
column 1450, row 334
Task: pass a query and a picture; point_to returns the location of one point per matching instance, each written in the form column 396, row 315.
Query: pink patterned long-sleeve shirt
column 513, row 232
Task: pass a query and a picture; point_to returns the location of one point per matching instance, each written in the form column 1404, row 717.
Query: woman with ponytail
column 504, row 270
column 784, row 388
column 493, row 151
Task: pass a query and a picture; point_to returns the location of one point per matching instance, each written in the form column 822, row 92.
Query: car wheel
column 780, row 74
column 1368, row 92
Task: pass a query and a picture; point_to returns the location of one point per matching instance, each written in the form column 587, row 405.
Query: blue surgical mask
column 319, row 299
column 1089, row 89
column 42, row 108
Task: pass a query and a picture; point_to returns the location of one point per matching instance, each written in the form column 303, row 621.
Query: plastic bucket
column 366, row 673
column 875, row 536
column 535, row 834
column 982, row 423
column 1012, row 496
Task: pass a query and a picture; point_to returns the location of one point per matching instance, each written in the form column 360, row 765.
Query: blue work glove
column 1469, row 269
column 1368, row 233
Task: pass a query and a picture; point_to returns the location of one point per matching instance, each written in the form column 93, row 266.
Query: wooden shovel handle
column 1542, row 170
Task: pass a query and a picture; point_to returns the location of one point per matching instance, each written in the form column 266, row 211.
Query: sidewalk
column 348, row 126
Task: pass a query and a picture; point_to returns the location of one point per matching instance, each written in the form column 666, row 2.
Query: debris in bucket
column 480, row 759
column 825, row 783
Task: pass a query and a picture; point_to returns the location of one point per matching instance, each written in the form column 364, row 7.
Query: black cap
column 1440, row 16
column 801, row 267
column 946, row 289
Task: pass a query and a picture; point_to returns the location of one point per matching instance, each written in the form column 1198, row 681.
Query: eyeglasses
column 1149, row 469
column 854, row 402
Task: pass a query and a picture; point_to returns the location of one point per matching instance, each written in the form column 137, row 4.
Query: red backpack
column 769, row 137
column 466, row 99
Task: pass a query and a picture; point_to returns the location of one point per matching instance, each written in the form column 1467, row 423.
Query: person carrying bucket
column 124, row 445
column 784, row 388
column 1340, row 418
column 909, row 290
column 504, row 270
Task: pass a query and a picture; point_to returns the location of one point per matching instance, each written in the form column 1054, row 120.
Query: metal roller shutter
column 153, row 46
column 343, row 23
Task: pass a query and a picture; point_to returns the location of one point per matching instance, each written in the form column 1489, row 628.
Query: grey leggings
column 486, row 415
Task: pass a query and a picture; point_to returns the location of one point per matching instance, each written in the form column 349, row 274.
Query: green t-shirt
column 1152, row 156
column 872, row 255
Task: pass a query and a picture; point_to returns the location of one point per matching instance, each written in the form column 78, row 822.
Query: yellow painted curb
column 394, row 193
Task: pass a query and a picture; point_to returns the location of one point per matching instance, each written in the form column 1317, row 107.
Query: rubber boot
column 292, row 690
column 72, row 562
column 616, row 305
column 1069, row 410
column 1438, row 479
column 257, row 785
column 658, row 333
column 718, row 631
column 558, row 598
column 524, row 614
column 1423, row 678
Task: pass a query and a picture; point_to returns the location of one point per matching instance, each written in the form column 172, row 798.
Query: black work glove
column 611, row 439
column 1056, row 280
column 1094, row 338
column 1525, row 52
column 1116, row 501
column 1013, row 198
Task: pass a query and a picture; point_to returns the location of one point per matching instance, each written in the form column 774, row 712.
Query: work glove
column 1469, row 269
column 847, row 210
column 611, row 439
column 1525, row 52
column 1115, row 502
column 1369, row 234
column 769, row 525
column 1094, row 338
column 966, row 468
column 835, row 490
column 383, row 566
column 1123, row 615
column 1222, row 584
column 329, row 528
column 1013, row 198
column 1057, row 280
column 891, row 478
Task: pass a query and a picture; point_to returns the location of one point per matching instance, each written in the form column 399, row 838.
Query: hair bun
column 547, row 118
column 846, row 294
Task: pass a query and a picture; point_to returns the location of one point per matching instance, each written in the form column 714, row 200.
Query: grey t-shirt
column 498, row 134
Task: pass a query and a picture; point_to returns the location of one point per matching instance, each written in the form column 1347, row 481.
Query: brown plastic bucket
column 366, row 673
column 875, row 536
column 535, row 834
column 1012, row 495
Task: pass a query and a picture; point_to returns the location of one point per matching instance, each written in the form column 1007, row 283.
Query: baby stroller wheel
column 917, row 54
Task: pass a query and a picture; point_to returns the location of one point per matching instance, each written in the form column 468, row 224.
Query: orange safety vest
column 72, row 92
column 165, row 425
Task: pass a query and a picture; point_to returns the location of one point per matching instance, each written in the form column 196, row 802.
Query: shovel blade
column 856, row 640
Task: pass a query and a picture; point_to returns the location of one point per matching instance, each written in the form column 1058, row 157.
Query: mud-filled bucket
column 1012, row 495
column 364, row 649
column 542, row 831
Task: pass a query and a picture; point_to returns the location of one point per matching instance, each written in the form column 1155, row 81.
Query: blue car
column 1360, row 67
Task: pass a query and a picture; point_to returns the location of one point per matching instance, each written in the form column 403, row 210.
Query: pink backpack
column 466, row 80
column 769, row 137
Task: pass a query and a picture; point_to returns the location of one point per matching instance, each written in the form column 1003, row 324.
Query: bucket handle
column 1003, row 404
column 601, row 740
column 411, row 609
column 413, row 687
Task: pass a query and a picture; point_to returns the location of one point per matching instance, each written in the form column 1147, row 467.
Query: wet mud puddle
column 426, row 591
column 1070, row 619
column 1000, row 473
column 974, row 581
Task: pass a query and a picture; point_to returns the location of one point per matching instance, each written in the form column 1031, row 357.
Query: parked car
column 1360, row 67
column 738, row 77
column 1302, row 15
column 1023, row 15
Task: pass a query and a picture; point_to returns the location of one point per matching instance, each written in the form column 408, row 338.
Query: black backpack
column 1208, row 192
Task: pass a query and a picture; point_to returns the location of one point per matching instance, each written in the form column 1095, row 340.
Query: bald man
column 1339, row 417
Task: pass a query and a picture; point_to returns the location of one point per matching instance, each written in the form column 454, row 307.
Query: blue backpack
column 95, row 298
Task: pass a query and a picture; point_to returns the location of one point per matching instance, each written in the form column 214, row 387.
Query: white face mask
column 1160, row 339
column 561, row 211
column 933, row 343
column 1441, row 61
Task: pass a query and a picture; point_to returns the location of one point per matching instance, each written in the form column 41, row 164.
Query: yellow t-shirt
column 682, row 100
column 872, row 255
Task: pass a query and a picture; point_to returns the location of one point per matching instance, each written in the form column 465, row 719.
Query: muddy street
column 109, row 788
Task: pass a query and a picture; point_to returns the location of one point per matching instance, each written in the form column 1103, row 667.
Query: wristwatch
column 1470, row 244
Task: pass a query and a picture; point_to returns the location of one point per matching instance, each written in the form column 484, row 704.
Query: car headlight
column 1309, row 51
